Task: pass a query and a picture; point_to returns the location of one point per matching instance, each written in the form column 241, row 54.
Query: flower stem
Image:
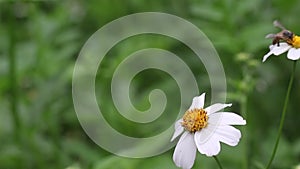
column 283, row 114
column 14, row 97
column 218, row 162
column 245, row 141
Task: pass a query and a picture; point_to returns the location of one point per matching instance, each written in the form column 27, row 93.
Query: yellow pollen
column 194, row 120
column 295, row 42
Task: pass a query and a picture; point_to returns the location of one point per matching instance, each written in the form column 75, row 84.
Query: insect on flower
column 284, row 41
column 285, row 35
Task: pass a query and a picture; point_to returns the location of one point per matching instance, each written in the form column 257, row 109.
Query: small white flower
column 293, row 53
column 204, row 129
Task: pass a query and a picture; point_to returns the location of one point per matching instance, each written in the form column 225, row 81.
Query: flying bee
column 285, row 35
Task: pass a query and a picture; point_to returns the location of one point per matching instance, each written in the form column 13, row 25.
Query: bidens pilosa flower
column 282, row 42
column 204, row 129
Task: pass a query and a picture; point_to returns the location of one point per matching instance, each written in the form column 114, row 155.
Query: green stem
column 13, row 80
column 244, row 131
column 283, row 114
column 244, row 92
column 218, row 162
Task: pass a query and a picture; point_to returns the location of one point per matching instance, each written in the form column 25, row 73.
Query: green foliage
column 39, row 44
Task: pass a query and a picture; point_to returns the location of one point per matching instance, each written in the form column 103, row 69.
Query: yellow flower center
column 295, row 42
column 194, row 120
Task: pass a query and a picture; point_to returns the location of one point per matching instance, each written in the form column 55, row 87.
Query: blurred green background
column 39, row 44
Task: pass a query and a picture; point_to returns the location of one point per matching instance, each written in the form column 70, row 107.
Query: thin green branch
column 283, row 114
column 244, row 131
column 218, row 162
column 13, row 80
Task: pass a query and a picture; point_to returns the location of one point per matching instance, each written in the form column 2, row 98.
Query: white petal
column 267, row 56
column 278, row 50
column 216, row 107
column 185, row 151
column 271, row 47
column 206, row 133
column 293, row 54
column 228, row 135
column 226, row 118
column 210, row 147
column 198, row 102
column 178, row 129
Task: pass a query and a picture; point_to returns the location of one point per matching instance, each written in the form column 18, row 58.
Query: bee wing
column 279, row 25
column 269, row 36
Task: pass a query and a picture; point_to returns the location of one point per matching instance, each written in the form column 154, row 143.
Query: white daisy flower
column 278, row 49
column 204, row 129
column 291, row 43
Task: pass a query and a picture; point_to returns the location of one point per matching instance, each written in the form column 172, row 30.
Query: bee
column 285, row 35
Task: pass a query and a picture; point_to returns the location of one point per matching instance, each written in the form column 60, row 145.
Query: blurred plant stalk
column 14, row 96
column 243, row 88
column 283, row 114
